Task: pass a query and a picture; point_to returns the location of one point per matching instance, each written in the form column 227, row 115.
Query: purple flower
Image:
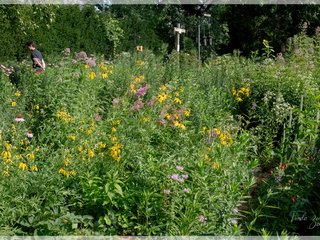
column 142, row 91
column 98, row 117
column 186, row 190
column 138, row 104
column 180, row 168
column 202, row 219
column 29, row 134
column 185, row 176
column 151, row 102
column 167, row 191
column 177, row 177
column 19, row 118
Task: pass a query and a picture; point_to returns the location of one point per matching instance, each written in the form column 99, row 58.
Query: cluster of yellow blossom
column 162, row 96
column 13, row 102
column 224, row 137
column 115, row 149
column 136, row 81
column 64, row 116
column 66, row 173
column 241, row 93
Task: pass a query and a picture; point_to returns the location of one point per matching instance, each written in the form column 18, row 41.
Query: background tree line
column 108, row 30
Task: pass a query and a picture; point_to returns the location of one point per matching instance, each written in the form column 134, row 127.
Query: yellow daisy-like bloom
column 115, row 151
column 23, row 166
column 162, row 97
column 177, row 100
column 17, row 93
column 30, row 156
column 90, row 153
column 13, row 104
column 234, row 92
column 6, row 154
column 239, row 99
column 86, row 66
column 133, row 88
column 187, row 113
column 5, row 173
column 63, row 172
column 245, row 91
column 102, row 145
column 34, row 168
column 91, row 75
column 72, row 137
column 104, row 75
column 72, row 173
column 113, row 129
column 163, row 88
column 37, row 107
column 89, row 131
column 110, row 71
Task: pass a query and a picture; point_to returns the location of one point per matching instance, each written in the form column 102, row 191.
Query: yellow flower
column 66, row 161
column 163, row 88
column 177, row 100
column 116, row 122
column 104, row 75
column 23, row 166
column 115, row 151
column 30, row 156
column 86, row 66
column 91, row 75
column 37, row 107
column 162, row 97
column 63, row 172
column 110, row 71
column 133, row 88
column 102, row 145
column 34, row 168
column 5, row 173
column 89, row 131
column 114, row 139
column 234, row 92
column 72, row 173
column 72, row 137
column 7, row 146
column 17, row 94
column 145, row 119
column 6, row 154
column 238, row 99
column 140, row 62
column 216, row 166
column 90, row 153
column 265, row 42
column 13, row 104
column 64, row 116
column 187, row 113
column 113, row 129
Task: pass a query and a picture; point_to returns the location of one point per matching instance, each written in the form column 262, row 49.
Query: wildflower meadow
column 147, row 145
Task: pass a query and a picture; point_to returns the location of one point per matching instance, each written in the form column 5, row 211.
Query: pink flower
column 29, row 134
column 202, row 219
column 167, row 191
column 19, row 118
column 98, row 117
column 180, row 168
column 138, row 104
column 142, row 91
column 186, row 190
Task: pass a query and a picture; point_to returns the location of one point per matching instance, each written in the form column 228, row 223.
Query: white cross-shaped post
column 178, row 31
